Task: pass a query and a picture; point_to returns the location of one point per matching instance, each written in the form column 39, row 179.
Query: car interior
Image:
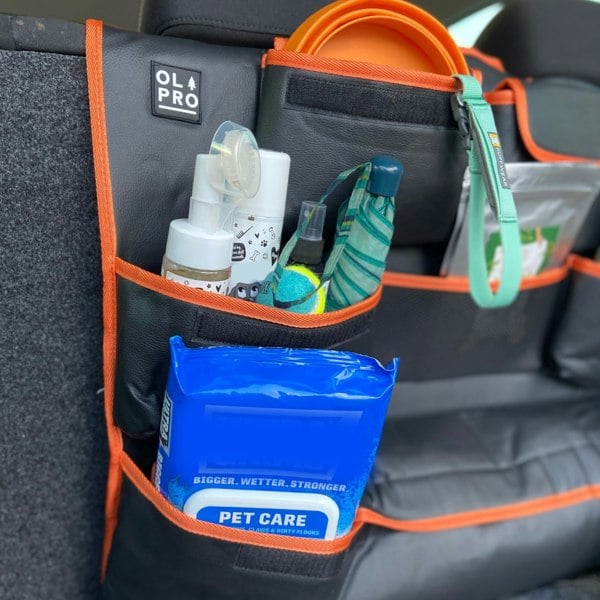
column 483, row 479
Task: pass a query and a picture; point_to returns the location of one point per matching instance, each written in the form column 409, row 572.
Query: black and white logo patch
column 176, row 93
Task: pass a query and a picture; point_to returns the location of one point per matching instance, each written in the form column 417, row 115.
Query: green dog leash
column 488, row 179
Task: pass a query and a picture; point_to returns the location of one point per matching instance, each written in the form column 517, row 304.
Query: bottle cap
column 386, row 173
column 311, row 221
column 271, row 196
column 196, row 248
column 309, row 247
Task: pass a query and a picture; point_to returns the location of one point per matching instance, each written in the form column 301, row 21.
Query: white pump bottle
column 198, row 251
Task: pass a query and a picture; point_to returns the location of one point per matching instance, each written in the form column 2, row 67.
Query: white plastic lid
column 271, row 196
column 196, row 248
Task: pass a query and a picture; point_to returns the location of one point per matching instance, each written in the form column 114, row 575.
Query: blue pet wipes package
column 271, row 440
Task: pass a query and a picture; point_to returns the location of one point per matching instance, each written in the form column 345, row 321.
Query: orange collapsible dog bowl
column 389, row 32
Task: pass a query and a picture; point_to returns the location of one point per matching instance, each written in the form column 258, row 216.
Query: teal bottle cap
column 386, row 173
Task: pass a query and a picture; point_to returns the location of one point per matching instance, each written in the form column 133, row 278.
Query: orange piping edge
column 522, row 111
column 361, row 70
column 364, row 516
column 279, row 42
column 240, row 307
column 587, row 266
column 229, row 534
column 459, row 284
column 478, row 74
column 484, row 516
column 93, row 48
column 491, row 61
column 500, row 97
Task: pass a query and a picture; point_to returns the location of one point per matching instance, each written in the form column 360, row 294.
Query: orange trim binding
column 230, row 534
column 478, row 74
column 522, row 110
column 484, row 516
column 426, row 282
column 364, row 516
column 242, row 308
column 93, row 51
column 458, row 284
column 279, row 43
column 362, row 70
column 586, row 266
column 500, row 97
column 491, row 61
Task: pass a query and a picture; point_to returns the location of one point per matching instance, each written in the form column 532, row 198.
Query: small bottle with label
column 198, row 251
column 257, row 225
column 308, row 250
column 299, row 287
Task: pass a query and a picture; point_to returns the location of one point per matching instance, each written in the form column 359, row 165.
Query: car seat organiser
column 489, row 465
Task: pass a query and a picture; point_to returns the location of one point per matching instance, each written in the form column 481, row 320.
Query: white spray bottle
column 257, row 226
column 199, row 248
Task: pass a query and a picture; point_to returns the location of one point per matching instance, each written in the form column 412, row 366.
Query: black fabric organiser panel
column 152, row 158
column 462, row 461
column 329, row 123
column 439, row 334
column 188, row 566
column 157, row 190
column 497, row 456
column 152, row 557
column 147, row 319
column 576, row 347
column 151, row 162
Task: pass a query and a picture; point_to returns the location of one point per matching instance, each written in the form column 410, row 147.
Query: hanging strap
column 488, row 179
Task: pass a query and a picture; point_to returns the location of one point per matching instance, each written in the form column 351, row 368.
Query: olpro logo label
column 176, row 93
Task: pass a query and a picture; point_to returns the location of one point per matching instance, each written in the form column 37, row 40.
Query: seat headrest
column 232, row 22
column 536, row 38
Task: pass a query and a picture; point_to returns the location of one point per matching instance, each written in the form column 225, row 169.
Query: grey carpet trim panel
column 41, row 35
column 53, row 439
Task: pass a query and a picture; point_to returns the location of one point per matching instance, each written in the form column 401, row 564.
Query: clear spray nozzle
column 205, row 203
column 311, row 221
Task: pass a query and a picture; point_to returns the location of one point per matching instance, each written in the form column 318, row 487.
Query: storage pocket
column 152, row 309
column 576, row 346
column 330, row 115
column 437, row 330
column 158, row 552
column 443, row 485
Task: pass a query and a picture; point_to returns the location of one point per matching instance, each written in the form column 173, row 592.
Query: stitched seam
column 340, row 115
column 356, row 82
column 195, row 20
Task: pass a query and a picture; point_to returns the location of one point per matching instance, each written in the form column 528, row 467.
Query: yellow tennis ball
column 298, row 281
